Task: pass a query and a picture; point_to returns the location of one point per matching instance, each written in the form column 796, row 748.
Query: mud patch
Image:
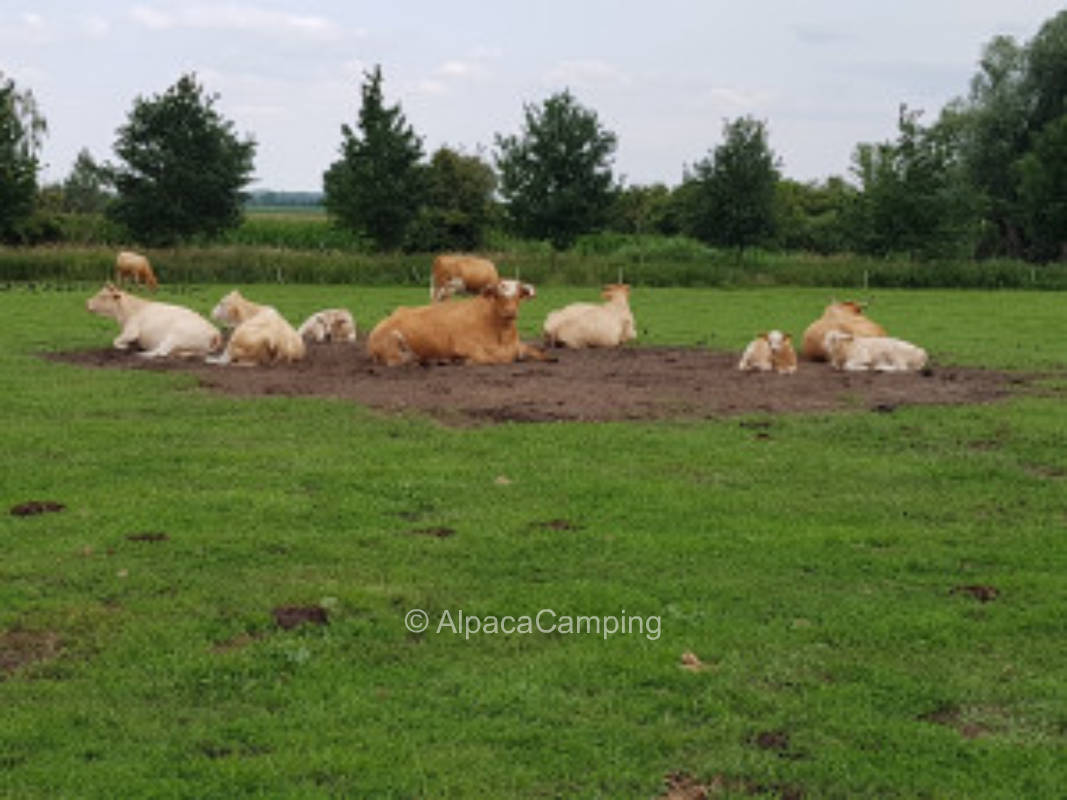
column 22, row 648
column 148, row 536
column 952, row 717
column 630, row 383
column 682, row 786
column 981, row 593
column 436, row 532
column 289, row 617
column 555, row 525
column 34, row 507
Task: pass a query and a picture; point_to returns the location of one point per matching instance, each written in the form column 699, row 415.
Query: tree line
column 986, row 178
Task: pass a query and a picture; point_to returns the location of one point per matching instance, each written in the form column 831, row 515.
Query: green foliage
column 914, row 198
column 1043, row 191
column 644, row 209
column 813, row 216
column 1018, row 92
column 85, row 191
column 458, row 204
column 555, row 177
column 375, row 188
column 21, row 130
column 183, row 167
column 733, row 190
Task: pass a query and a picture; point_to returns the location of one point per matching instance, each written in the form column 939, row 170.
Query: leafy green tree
column 85, row 189
column 734, row 188
column 555, row 177
column 458, row 206
column 1043, row 192
column 813, row 216
column 914, row 197
column 643, row 209
column 22, row 129
column 376, row 187
column 183, row 167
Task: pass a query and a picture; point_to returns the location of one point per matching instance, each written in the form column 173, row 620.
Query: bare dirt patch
column 34, row 507
column 289, row 617
column 632, row 383
column 148, row 536
column 21, row 648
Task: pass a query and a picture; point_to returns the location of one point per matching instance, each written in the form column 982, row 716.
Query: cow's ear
column 527, row 290
column 492, row 290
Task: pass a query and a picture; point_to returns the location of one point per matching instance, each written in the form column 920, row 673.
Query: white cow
column 159, row 329
column 329, row 325
column 607, row 324
column 879, row 353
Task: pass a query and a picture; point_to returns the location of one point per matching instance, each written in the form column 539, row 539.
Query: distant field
column 875, row 601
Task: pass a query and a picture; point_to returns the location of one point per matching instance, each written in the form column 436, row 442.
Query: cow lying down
column 159, row 329
column 879, row 353
column 480, row 330
column 607, row 324
column 329, row 325
column 261, row 335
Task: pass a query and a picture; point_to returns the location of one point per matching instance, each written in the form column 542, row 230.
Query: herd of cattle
column 478, row 330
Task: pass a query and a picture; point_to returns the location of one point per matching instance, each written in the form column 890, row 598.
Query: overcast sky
column 663, row 75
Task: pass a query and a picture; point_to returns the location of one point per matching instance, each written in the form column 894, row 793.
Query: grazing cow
column 769, row 351
column 261, row 335
column 159, row 329
column 878, row 353
column 460, row 273
column 593, row 325
column 329, row 325
column 480, row 330
column 846, row 317
column 135, row 267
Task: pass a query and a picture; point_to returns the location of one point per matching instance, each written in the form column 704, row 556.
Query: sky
column 663, row 75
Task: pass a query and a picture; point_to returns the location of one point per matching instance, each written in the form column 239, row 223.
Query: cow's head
column 834, row 338
column 106, row 301
column 613, row 290
column 506, row 296
column 231, row 309
column 342, row 327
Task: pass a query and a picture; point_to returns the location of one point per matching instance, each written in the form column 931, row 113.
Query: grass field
column 811, row 571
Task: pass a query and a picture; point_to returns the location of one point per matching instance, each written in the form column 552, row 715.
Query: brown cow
column 846, row 317
column 135, row 267
column 460, row 273
column 480, row 330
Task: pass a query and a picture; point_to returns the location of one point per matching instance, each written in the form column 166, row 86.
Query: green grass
column 810, row 571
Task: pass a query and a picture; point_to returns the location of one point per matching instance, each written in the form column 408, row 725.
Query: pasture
column 872, row 604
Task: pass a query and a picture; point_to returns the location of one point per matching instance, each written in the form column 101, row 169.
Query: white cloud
column 431, row 87
column 96, row 27
column 28, row 28
column 738, row 99
column 588, row 74
column 240, row 18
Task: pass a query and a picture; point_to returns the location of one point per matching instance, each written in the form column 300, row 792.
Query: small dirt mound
column 289, row 617
column 148, row 536
column 34, row 507
column 21, row 648
column 983, row 594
